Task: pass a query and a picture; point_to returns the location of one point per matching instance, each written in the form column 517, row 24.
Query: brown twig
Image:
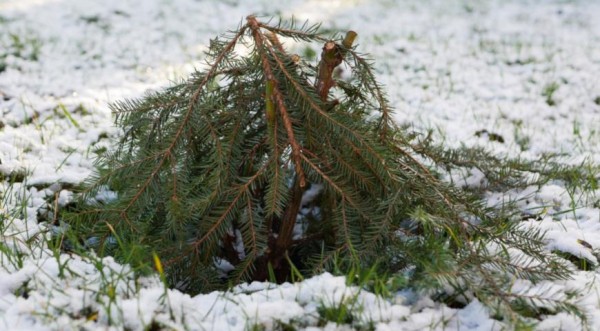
column 281, row 108
column 278, row 247
column 331, row 57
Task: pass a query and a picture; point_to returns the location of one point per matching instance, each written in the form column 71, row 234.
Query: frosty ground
column 527, row 72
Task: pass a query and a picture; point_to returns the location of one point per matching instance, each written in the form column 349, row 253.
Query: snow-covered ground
column 525, row 71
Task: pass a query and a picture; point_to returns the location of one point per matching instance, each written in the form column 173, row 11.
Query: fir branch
column 164, row 155
column 217, row 168
column 282, row 110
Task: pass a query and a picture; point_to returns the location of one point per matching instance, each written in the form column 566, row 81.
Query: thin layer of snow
column 457, row 67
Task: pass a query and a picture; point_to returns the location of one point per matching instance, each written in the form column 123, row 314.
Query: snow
column 457, row 67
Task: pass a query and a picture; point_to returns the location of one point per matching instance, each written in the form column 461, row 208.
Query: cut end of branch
column 349, row 39
column 330, row 58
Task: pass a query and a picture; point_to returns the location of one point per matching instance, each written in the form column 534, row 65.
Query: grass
column 548, row 93
column 110, row 286
column 20, row 46
column 106, row 288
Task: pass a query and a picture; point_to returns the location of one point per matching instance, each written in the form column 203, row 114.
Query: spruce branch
column 167, row 153
column 249, row 164
column 276, row 94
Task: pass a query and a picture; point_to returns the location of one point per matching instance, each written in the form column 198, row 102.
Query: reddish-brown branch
column 279, row 246
column 331, row 57
column 284, row 240
column 281, row 108
column 296, row 149
column 275, row 41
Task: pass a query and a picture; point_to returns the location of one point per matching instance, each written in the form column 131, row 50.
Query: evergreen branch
column 246, row 266
column 167, row 153
column 361, row 177
column 274, row 196
column 228, row 210
column 296, row 149
column 309, row 34
column 346, row 226
column 344, row 194
column 386, row 122
column 364, row 145
column 282, row 110
column 427, row 177
column 358, row 152
column 216, row 168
